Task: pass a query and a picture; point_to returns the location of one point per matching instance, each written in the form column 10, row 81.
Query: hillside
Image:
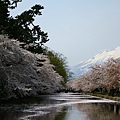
column 100, row 58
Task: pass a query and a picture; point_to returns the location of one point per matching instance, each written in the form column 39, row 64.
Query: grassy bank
column 116, row 98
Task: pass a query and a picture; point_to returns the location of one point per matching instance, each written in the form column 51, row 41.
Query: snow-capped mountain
column 100, row 58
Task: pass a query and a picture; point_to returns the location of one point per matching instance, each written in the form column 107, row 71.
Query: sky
column 78, row 29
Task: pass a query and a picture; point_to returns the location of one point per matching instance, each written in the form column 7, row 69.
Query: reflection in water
column 99, row 111
column 61, row 107
column 74, row 114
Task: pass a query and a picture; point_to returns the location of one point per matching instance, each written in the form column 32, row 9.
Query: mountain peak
column 99, row 58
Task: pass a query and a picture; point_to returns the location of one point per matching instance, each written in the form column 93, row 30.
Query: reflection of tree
column 100, row 111
column 61, row 115
column 55, row 113
column 32, row 110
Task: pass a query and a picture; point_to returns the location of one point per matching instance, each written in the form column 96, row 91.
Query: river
column 62, row 106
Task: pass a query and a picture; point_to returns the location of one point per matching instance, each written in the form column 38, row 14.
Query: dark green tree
column 60, row 63
column 22, row 27
column 4, row 13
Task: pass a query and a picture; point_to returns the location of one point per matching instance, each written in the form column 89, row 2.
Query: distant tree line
column 103, row 78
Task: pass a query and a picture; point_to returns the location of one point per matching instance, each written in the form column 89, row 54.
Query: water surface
column 63, row 106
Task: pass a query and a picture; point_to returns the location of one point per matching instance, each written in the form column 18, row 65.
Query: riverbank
column 116, row 98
